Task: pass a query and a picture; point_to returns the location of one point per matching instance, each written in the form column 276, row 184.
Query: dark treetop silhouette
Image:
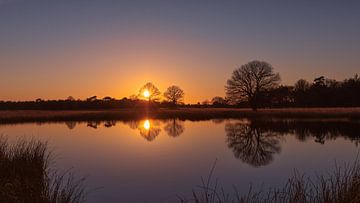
column 152, row 90
column 252, row 85
column 174, row 94
column 249, row 81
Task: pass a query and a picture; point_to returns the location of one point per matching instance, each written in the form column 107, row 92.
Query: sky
column 52, row 49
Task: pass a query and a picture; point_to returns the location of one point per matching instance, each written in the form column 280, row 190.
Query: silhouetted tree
column 154, row 92
column 218, row 101
column 350, row 91
column 249, row 81
column 279, row 97
column 301, row 89
column 319, row 81
column 174, row 94
column 251, row 144
column 174, row 128
column 108, row 98
column 206, row 102
column 134, row 97
column 93, row 98
column 70, row 98
column 301, row 85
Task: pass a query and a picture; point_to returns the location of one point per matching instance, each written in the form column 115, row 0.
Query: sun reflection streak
column 147, row 125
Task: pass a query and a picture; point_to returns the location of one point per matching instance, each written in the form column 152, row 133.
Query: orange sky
column 54, row 49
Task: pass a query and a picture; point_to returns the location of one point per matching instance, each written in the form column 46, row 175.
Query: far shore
column 20, row 116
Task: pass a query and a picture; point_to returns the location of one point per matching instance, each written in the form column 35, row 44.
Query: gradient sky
column 51, row 49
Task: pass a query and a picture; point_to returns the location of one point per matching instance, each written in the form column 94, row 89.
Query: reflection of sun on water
column 147, row 125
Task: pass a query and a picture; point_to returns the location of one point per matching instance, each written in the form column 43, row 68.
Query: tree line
column 253, row 85
column 173, row 97
column 256, row 85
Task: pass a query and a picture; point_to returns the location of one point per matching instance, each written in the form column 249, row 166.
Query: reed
column 25, row 175
column 341, row 185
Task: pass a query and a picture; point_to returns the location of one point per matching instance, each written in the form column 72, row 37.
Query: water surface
column 155, row 160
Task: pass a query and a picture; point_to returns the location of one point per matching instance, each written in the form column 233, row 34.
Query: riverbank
column 180, row 113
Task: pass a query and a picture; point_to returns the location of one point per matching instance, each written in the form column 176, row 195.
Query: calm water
column 155, row 160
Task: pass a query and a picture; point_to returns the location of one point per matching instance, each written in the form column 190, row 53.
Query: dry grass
column 181, row 113
column 25, row 176
column 342, row 185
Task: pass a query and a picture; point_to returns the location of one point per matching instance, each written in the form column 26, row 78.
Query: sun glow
column 146, row 93
column 147, row 125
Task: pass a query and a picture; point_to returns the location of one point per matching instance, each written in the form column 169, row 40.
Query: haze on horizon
column 54, row 49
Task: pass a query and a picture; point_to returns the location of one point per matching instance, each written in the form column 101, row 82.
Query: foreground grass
column 181, row 113
column 342, row 185
column 25, row 176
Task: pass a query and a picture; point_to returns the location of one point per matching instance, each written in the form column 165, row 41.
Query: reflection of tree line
column 93, row 124
column 319, row 130
column 172, row 127
column 256, row 142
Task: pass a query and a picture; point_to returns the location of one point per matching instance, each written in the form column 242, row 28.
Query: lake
column 156, row 160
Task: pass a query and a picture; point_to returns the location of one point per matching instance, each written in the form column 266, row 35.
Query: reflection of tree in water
column 133, row 124
column 93, row 124
column 318, row 130
column 149, row 129
column 70, row 124
column 109, row 124
column 174, row 128
column 217, row 120
column 251, row 144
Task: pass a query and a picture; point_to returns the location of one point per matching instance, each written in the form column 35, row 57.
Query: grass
column 181, row 113
column 25, row 175
column 342, row 185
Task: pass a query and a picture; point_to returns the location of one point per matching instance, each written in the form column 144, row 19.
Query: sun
column 146, row 93
column 147, row 125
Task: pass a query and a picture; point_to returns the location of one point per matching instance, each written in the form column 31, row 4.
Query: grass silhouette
column 341, row 185
column 25, row 175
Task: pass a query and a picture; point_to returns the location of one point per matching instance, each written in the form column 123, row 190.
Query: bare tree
column 93, row 98
column 108, row 98
column 249, row 81
column 302, row 85
column 152, row 90
column 174, row 94
column 70, row 98
column 218, row 101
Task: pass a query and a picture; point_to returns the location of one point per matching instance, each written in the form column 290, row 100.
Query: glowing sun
column 146, row 93
column 147, row 125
